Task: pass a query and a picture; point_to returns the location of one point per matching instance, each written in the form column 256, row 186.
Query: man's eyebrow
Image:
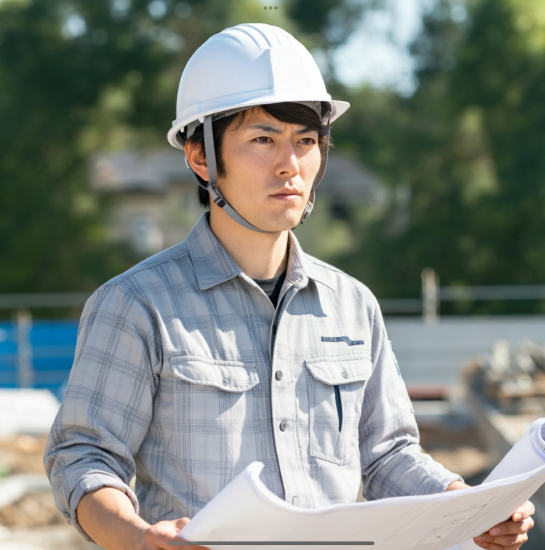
column 274, row 130
column 306, row 130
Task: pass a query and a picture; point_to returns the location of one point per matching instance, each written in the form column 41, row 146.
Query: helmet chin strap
column 324, row 147
column 218, row 198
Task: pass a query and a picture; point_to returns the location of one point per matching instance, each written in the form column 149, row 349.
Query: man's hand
column 159, row 535
column 108, row 517
column 512, row 533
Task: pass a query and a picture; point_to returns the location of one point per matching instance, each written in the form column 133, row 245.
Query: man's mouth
column 287, row 194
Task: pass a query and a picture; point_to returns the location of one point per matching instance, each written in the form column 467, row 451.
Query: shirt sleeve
column 107, row 407
column 392, row 462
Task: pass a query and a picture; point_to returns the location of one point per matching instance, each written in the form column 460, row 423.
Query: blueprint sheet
column 245, row 510
column 527, row 454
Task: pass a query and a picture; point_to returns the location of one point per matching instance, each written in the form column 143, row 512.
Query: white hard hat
column 239, row 68
column 247, row 65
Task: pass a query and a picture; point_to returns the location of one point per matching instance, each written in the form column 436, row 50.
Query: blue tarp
column 53, row 346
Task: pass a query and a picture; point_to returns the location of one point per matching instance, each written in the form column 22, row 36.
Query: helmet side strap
column 212, row 179
column 324, row 149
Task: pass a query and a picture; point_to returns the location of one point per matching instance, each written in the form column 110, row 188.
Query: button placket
column 281, row 387
column 282, row 305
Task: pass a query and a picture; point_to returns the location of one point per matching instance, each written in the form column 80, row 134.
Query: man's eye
column 309, row 141
column 258, row 139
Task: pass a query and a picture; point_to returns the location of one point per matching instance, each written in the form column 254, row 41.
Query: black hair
column 291, row 113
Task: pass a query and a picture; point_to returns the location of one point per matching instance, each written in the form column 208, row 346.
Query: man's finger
column 507, row 528
column 181, row 522
column 513, row 535
column 508, row 540
column 525, row 511
column 490, row 546
column 511, row 527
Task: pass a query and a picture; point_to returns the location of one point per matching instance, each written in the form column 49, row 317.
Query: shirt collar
column 213, row 265
column 305, row 266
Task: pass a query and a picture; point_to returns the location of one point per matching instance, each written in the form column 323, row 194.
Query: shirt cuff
column 434, row 477
column 409, row 472
column 92, row 482
column 440, row 482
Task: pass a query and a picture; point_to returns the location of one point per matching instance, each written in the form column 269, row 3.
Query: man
column 235, row 346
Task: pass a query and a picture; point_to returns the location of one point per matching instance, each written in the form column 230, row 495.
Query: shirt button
column 225, row 381
column 279, row 374
column 345, row 374
column 294, row 500
column 283, row 425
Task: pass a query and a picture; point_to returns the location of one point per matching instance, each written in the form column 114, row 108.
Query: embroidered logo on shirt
column 344, row 339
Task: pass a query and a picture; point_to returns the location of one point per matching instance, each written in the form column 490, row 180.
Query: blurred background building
column 153, row 196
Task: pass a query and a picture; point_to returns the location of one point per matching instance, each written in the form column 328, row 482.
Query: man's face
column 271, row 166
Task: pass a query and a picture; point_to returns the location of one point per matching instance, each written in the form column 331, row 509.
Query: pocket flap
column 341, row 370
column 232, row 376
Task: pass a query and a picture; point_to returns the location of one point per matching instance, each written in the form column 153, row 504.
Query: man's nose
column 288, row 163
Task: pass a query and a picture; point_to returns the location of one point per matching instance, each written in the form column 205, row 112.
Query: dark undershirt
column 271, row 287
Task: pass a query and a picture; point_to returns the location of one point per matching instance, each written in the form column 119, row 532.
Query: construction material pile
column 511, row 378
column 29, row 519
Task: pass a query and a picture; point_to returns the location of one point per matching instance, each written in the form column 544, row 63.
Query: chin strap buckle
column 307, row 211
column 308, row 208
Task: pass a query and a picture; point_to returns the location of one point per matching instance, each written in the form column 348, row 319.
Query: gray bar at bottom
column 273, row 543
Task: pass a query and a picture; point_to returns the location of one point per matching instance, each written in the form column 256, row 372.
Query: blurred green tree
column 77, row 77
column 324, row 25
column 462, row 157
column 57, row 60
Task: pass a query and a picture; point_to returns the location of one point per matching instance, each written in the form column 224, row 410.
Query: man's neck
column 259, row 255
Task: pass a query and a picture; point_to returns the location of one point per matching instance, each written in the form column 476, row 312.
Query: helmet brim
column 337, row 109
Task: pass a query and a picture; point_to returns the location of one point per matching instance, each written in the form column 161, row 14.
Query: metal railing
column 43, row 299
column 427, row 304
column 36, row 354
column 432, row 296
column 401, row 305
column 505, row 292
column 25, row 355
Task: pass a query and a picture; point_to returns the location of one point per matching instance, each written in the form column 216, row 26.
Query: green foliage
column 462, row 157
column 469, row 146
column 329, row 22
column 50, row 82
column 77, row 77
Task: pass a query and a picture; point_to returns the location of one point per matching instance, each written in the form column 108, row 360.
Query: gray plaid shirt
column 185, row 373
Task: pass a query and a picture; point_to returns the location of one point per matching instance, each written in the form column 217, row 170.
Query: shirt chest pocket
column 335, row 392
column 212, row 397
column 212, row 402
column 228, row 376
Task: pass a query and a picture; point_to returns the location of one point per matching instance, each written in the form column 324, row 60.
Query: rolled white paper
column 527, row 454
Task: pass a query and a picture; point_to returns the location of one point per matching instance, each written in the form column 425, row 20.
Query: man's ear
column 196, row 159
